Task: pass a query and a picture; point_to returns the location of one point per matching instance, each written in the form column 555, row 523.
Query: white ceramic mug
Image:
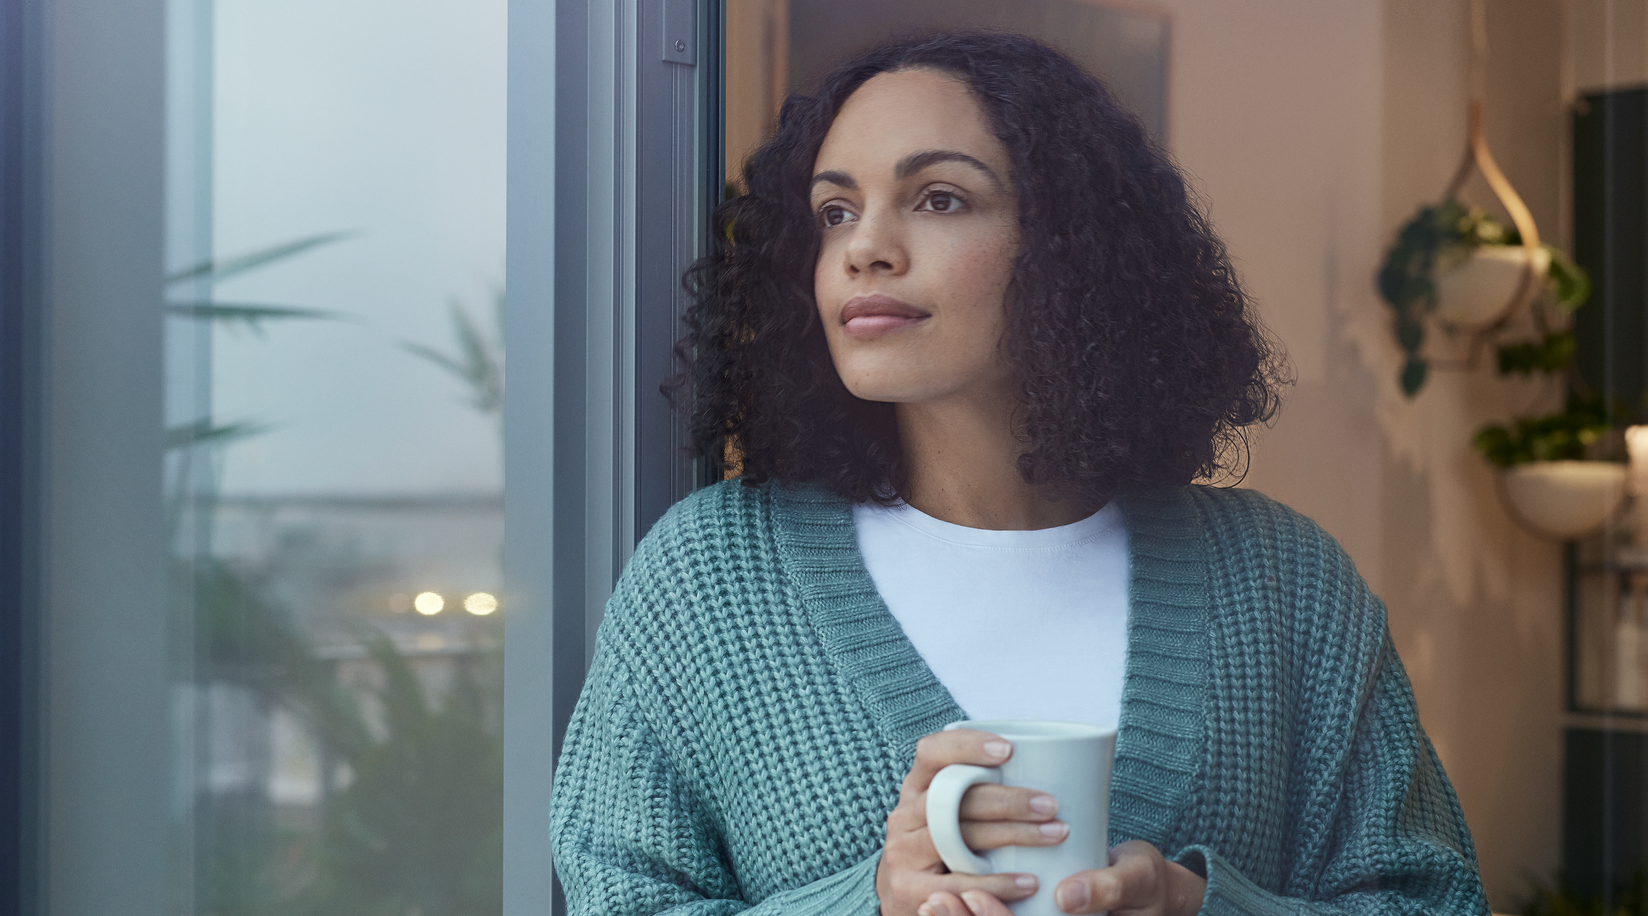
column 1068, row 761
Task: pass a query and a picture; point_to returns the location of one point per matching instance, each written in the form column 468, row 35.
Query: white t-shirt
column 1015, row 624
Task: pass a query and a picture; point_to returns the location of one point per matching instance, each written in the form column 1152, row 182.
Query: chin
column 883, row 390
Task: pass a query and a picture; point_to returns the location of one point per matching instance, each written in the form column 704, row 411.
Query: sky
column 384, row 119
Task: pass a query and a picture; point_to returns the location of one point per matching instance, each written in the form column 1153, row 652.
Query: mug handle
column 944, row 815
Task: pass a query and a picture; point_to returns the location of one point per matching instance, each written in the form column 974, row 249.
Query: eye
column 939, row 200
column 834, row 214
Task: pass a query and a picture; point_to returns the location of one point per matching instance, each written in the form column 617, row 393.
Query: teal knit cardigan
column 752, row 708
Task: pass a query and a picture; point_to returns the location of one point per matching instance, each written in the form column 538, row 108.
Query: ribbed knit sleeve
column 1321, row 793
column 629, row 837
column 719, row 760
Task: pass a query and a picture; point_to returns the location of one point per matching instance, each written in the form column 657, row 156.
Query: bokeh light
column 480, row 604
column 428, row 603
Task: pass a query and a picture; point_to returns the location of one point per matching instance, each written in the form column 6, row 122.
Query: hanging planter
column 1455, row 269
column 1454, row 279
column 1546, row 478
column 1563, row 500
column 1473, row 294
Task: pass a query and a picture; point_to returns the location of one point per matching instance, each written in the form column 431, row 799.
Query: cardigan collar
column 1162, row 706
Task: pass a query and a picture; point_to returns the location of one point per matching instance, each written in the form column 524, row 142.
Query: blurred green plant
column 1439, row 237
column 419, row 829
column 1442, row 236
column 416, row 827
column 479, row 361
column 1571, row 434
column 242, row 314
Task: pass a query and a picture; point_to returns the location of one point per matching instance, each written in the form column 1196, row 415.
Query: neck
column 962, row 462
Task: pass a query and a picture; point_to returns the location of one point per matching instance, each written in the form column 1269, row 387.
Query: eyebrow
column 915, row 162
column 910, row 165
column 840, row 179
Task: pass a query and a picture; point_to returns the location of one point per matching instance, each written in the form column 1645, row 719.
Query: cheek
column 978, row 273
column 824, row 278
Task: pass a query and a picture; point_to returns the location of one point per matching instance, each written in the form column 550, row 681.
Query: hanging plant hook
column 1479, row 158
column 1435, row 274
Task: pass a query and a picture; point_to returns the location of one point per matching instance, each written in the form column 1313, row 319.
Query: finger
column 1093, row 891
column 944, row 903
column 938, row 750
column 983, row 835
column 980, row 903
column 916, row 887
column 1008, row 887
column 1133, row 880
column 990, row 802
column 1140, row 872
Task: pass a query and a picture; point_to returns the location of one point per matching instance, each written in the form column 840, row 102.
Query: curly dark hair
column 1137, row 355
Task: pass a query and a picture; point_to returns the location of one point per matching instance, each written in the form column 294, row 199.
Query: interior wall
column 1313, row 130
column 757, row 61
column 1606, row 47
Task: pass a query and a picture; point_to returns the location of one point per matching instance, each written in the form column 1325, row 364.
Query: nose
column 877, row 244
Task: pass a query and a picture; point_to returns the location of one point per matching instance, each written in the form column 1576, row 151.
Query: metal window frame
column 94, row 546
column 20, row 162
column 614, row 160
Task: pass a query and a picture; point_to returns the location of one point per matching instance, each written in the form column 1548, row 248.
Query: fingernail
column 926, row 909
column 1028, row 882
column 1044, row 804
column 974, row 901
column 997, row 750
column 1055, row 829
column 1072, row 896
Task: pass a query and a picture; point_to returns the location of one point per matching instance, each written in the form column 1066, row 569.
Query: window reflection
column 334, row 480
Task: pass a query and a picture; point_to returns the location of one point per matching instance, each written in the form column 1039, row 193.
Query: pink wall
column 1314, row 129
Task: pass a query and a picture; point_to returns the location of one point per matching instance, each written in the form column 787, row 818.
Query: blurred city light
column 428, row 603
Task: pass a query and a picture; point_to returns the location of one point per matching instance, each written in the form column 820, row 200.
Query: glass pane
column 335, row 245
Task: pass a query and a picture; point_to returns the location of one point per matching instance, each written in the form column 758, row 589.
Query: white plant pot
column 1563, row 500
column 1475, row 293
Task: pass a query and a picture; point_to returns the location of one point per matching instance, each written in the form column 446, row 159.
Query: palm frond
column 205, row 431
column 218, row 269
column 248, row 315
column 479, row 361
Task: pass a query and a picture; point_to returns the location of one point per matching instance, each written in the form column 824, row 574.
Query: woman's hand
column 911, row 879
column 1139, row 882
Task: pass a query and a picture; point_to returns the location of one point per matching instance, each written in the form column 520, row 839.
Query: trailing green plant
column 1443, row 236
column 1550, row 354
column 1568, row 435
column 1440, row 237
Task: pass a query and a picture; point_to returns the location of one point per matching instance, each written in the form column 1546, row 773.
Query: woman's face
column 920, row 228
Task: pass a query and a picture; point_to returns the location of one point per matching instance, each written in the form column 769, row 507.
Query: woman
column 970, row 342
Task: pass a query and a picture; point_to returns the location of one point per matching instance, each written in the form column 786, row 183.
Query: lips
column 874, row 315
